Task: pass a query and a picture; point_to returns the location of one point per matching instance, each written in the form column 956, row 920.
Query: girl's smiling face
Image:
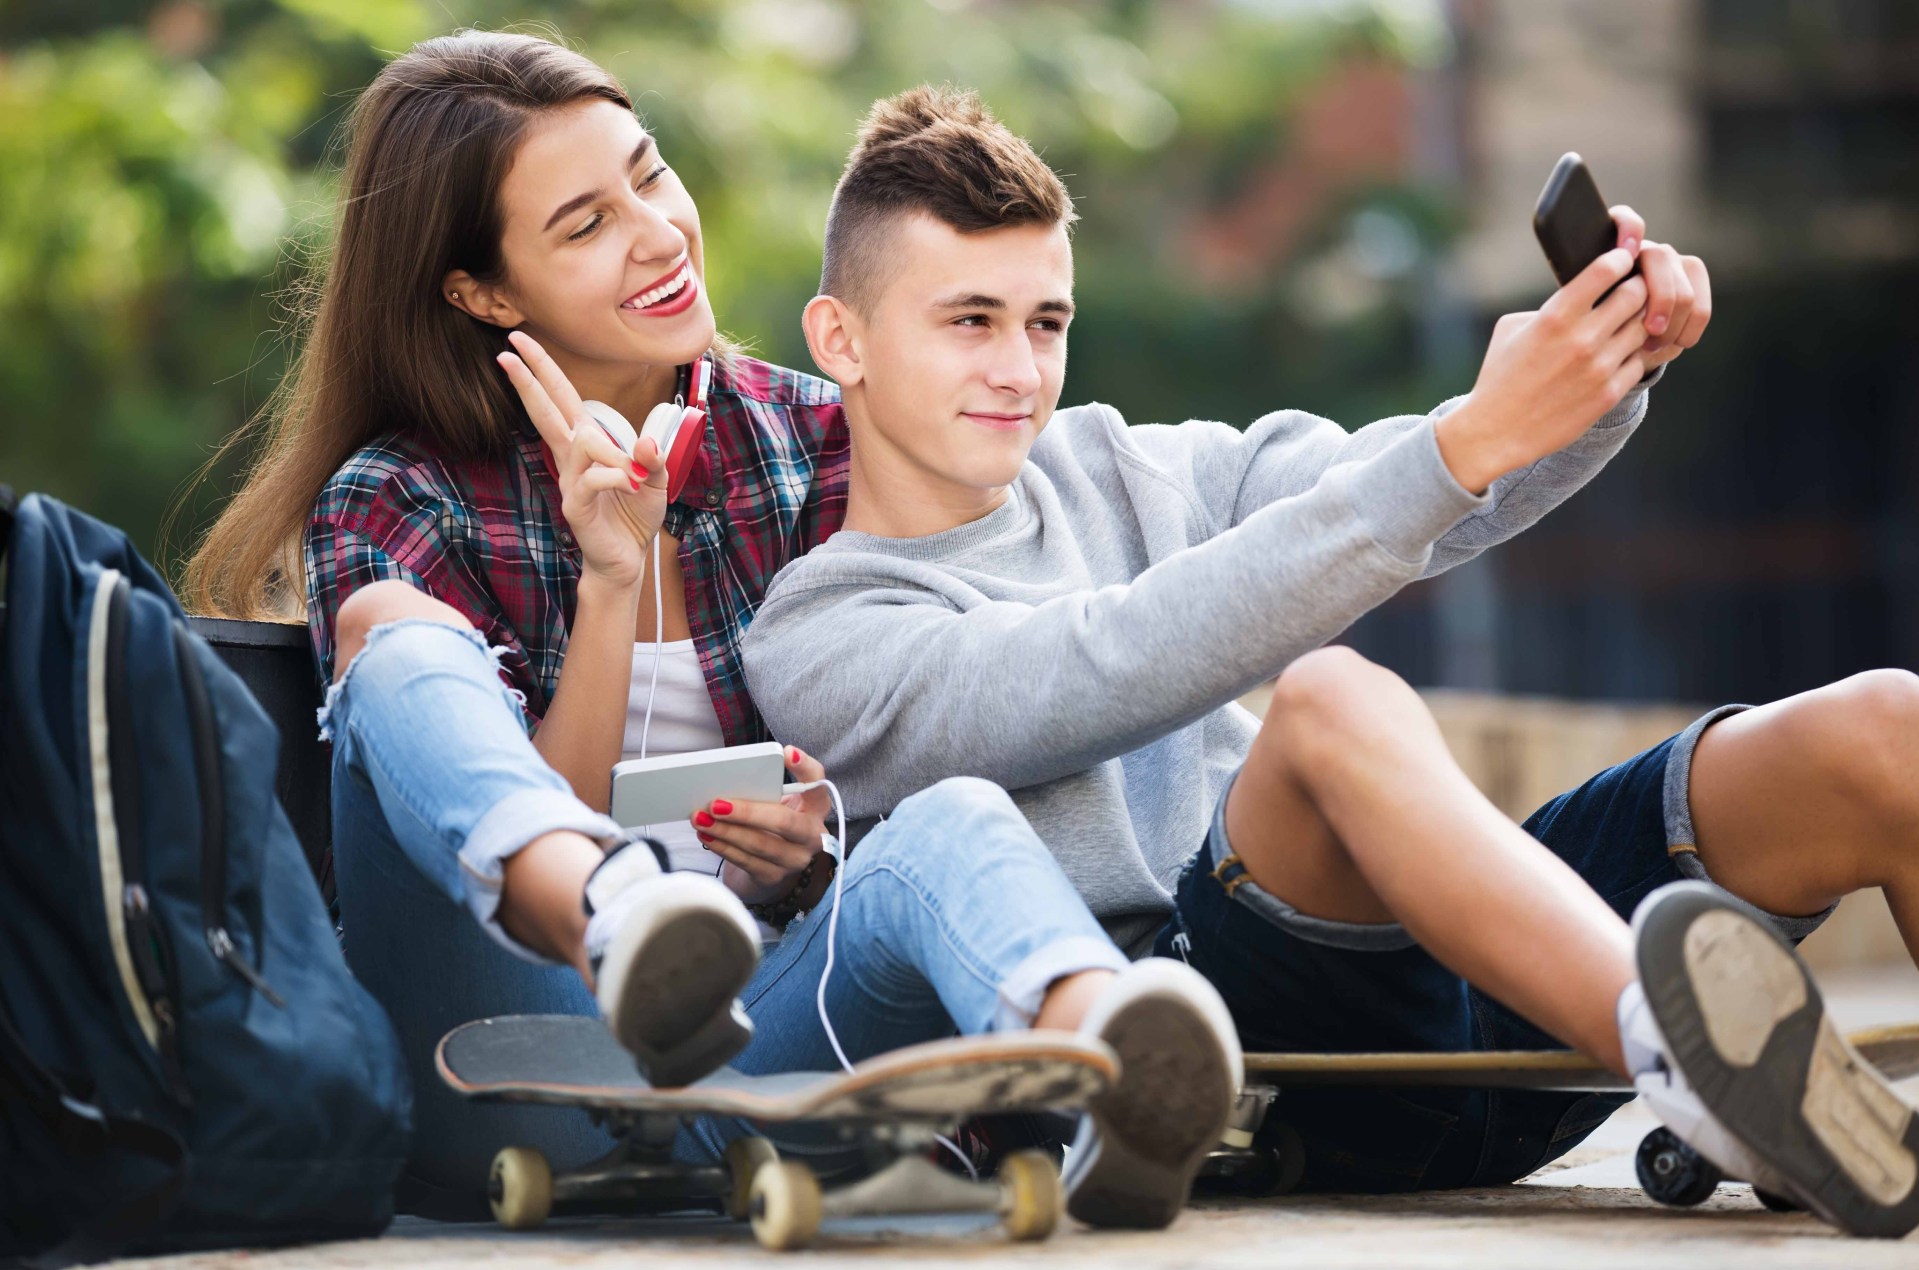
column 604, row 263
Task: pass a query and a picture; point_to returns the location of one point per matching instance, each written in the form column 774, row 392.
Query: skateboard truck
column 1245, row 1166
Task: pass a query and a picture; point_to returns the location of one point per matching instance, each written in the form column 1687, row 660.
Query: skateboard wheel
column 1777, row 1203
column 1031, row 1197
column 1279, row 1166
column 1274, row 1165
column 785, row 1206
column 520, row 1188
column 745, row 1157
column 1672, row 1172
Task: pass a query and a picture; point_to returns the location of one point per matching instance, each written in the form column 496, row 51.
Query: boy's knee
column 1882, row 707
column 378, row 603
column 1864, row 734
column 1328, row 708
column 1332, row 689
column 1326, row 679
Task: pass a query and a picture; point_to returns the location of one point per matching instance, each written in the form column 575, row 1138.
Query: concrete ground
column 1586, row 1210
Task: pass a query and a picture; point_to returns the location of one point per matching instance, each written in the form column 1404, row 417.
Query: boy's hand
column 1678, row 292
column 1678, row 304
column 1549, row 375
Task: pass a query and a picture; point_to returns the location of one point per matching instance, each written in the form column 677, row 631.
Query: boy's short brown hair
column 938, row 151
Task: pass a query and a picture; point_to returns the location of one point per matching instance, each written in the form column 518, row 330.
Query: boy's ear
column 832, row 336
column 481, row 300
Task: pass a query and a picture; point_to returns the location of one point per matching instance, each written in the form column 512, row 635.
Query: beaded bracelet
column 809, row 888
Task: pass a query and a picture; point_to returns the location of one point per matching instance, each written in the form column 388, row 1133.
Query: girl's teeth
column 659, row 293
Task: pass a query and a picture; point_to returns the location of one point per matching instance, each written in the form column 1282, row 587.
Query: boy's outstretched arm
column 897, row 671
column 1524, row 395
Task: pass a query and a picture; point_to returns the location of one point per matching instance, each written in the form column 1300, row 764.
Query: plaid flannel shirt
column 487, row 536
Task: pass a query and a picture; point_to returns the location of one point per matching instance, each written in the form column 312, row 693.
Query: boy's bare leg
column 1351, row 808
column 1800, row 802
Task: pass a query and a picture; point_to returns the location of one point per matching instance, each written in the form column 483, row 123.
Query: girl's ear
column 833, row 337
column 482, row 300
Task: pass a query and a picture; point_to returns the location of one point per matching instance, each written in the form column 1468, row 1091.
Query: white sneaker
column 670, row 953
column 1141, row 1142
column 1760, row 1082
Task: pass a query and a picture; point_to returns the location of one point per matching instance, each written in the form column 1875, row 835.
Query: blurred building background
column 1761, row 534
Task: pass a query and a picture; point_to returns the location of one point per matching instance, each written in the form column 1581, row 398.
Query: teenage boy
column 1068, row 606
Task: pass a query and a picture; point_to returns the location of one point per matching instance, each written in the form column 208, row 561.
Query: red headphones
column 675, row 426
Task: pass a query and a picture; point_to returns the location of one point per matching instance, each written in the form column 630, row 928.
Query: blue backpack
column 185, row 1061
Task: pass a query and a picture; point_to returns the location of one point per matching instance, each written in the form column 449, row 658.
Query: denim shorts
column 1302, row 984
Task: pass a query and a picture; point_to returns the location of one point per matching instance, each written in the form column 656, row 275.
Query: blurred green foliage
column 165, row 170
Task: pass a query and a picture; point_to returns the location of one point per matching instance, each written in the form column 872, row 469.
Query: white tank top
column 683, row 721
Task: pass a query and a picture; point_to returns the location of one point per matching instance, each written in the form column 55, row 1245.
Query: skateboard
column 889, row 1110
column 1669, row 1171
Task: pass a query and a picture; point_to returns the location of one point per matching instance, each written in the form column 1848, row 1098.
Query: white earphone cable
column 832, row 941
column 659, row 637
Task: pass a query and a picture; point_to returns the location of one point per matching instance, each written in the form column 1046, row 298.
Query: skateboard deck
column 1893, row 1050
column 891, row 1109
column 575, row 1061
column 1669, row 1171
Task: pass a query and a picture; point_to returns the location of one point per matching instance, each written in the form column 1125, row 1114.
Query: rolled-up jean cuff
column 1022, row 992
column 1682, row 842
column 507, row 826
column 1220, row 860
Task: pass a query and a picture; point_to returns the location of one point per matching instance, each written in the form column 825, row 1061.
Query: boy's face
column 964, row 351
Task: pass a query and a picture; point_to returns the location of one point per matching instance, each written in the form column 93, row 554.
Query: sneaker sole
column 1747, row 1027
column 674, row 1002
column 1158, row 1124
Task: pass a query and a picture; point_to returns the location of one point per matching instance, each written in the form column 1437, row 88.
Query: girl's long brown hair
column 381, row 351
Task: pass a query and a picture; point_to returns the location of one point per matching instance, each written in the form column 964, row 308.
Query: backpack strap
column 84, row 1129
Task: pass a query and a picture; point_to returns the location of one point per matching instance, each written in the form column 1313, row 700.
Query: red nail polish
column 704, row 837
column 635, row 484
column 721, row 807
column 703, row 820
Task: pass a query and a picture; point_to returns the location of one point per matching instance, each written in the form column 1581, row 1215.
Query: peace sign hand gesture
column 613, row 504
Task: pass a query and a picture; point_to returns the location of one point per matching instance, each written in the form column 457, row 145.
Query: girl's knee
column 377, row 604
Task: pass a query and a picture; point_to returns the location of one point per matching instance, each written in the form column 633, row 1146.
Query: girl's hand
column 613, row 504
column 765, row 845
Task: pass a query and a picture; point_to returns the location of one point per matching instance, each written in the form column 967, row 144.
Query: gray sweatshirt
column 1082, row 645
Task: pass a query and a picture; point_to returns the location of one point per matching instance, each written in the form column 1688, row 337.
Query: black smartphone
column 1571, row 220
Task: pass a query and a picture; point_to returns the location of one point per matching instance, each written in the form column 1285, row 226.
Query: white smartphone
column 672, row 787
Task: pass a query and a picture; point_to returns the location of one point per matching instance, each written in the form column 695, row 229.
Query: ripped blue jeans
column 955, row 917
